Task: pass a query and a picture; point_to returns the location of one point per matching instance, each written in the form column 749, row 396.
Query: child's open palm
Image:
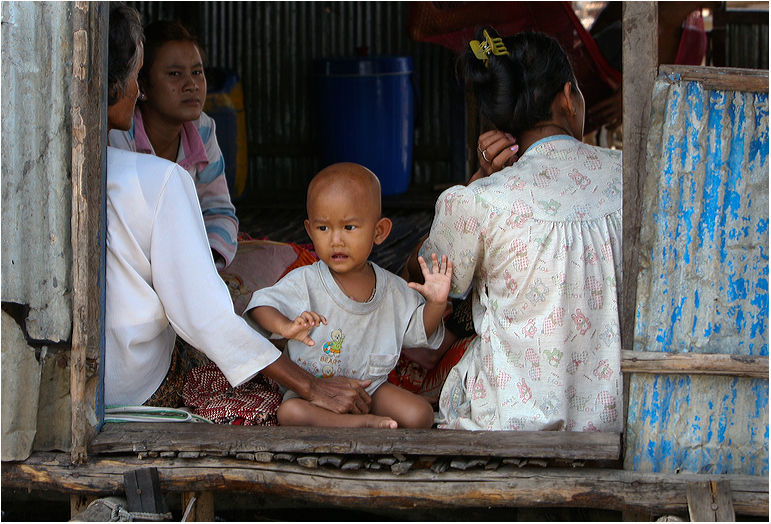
column 436, row 286
column 301, row 326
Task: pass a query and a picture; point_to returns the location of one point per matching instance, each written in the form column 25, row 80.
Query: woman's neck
column 164, row 136
column 539, row 132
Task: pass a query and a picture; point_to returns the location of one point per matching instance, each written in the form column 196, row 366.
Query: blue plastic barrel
column 365, row 115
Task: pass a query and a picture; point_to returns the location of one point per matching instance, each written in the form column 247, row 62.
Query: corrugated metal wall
column 703, row 284
column 36, row 213
column 272, row 45
column 37, row 152
column 748, row 43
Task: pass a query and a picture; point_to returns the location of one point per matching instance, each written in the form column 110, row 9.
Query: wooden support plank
column 222, row 439
column 721, row 78
column 508, row 486
column 710, row 501
column 640, row 60
column 198, row 506
column 721, row 497
column 694, row 364
column 699, row 501
column 87, row 234
column 143, row 491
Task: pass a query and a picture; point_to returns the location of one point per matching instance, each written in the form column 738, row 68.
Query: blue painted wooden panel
column 703, row 284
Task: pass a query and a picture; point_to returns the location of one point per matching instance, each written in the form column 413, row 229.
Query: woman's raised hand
column 495, row 150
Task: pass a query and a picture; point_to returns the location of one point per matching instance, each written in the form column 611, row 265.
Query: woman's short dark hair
column 515, row 91
column 159, row 33
column 123, row 54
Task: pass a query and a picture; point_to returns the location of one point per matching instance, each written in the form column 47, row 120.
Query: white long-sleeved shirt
column 161, row 279
column 199, row 155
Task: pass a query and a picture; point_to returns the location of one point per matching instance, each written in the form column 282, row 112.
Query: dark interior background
column 272, row 46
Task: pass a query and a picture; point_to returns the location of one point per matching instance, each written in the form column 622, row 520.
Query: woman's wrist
column 290, row 375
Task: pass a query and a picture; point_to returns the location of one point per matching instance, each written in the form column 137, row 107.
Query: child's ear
column 308, row 228
column 382, row 229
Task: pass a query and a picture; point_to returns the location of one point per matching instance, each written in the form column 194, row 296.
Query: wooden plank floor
column 223, row 439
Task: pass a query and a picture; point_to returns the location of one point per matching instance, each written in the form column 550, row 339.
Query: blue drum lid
column 363, row 65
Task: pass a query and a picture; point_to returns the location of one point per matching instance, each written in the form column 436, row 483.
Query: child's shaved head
column 354, row 180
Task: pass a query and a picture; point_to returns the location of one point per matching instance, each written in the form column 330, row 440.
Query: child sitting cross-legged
column 345, row 315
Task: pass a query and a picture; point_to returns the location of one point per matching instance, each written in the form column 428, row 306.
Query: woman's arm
column 337, row 394
column 218, row 211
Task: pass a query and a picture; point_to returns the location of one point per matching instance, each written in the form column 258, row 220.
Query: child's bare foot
column 373, row 421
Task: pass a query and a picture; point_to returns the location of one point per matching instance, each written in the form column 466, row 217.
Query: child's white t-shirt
column 361, row 340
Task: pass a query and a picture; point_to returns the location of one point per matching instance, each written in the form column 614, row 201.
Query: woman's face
column 121, row 113
column 177, row 85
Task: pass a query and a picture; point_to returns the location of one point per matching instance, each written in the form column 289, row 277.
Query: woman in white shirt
column 161, row 279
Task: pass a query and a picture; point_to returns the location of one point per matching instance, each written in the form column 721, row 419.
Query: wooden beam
column 640, row 60
column 88, row 139
column 640, row 55
column 721, row 79
column 710, row 501
column 223, row 439
column 507, row 486
column 694, row 364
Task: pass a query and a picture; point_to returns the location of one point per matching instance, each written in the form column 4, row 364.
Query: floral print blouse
column 540, row 244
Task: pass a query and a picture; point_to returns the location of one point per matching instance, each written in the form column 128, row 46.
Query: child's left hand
column 436, row 287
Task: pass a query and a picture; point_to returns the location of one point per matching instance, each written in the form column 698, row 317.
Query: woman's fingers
column 496, row 150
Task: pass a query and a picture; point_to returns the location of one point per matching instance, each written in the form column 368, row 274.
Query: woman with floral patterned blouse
column 538, row 244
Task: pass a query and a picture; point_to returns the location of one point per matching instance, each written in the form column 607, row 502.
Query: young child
column 346, row 316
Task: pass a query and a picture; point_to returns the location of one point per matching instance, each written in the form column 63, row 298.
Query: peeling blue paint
column 705, row 230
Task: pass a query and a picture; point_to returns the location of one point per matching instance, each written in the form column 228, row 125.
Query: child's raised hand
column 299, row 328
column 436, row 287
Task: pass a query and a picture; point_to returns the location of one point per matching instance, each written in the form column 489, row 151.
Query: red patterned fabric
column 251, row 404
column 407, row 375
column 305, row 257
column 415, row 378
column 432, row 385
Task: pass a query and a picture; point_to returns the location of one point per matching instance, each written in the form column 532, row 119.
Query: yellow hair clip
column 482, row 50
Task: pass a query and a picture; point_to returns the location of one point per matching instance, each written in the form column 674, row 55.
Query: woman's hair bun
column 515, row 90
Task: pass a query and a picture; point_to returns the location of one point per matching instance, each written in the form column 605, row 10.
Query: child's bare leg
column 408, row 409
column 300, row 412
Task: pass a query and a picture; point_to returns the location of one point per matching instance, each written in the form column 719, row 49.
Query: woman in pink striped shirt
column 169, row 122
